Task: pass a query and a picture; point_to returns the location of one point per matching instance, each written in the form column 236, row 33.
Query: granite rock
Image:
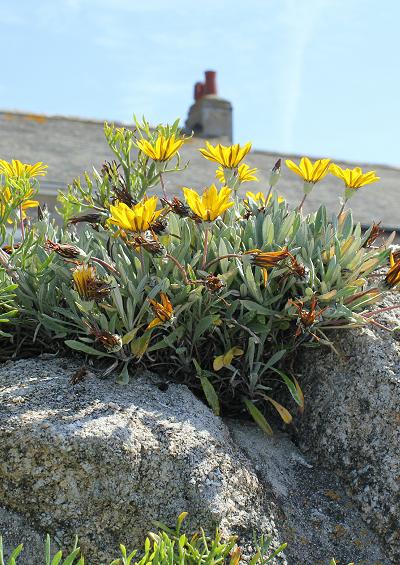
column 352, row 419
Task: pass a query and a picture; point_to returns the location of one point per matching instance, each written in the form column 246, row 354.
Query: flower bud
column 275, row 173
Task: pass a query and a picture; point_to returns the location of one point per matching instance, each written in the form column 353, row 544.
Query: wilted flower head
column 177, row 206
column 266, row 259
column 159, row 226
column 396, row 254
column 91, row 218
column 15, row 169
column 228, row 156
column 138, row 218
column 213, row 283
column 392, row 277
column 162, row 149
column 298, row 268
column 307, row 316
column 163, row 310
column 88, row 286
column 110, row 169
column 121, row 194
column 65, row 250
column 151, row 245
column 110, row 342
column 376, row 232
column 11, row 248
column 210, row 204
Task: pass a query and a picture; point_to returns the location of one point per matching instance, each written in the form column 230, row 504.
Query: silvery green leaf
column 253, row 287
column 268, row 231
column 79, row 346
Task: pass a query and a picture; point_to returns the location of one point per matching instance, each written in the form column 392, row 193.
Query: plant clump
column 210, row 288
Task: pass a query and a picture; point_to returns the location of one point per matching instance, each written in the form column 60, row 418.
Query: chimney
column 210, row 116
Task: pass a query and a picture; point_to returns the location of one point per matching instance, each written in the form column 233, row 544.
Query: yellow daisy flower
column 6, row 197
column 15, row 169
column 228, row 156
column 261, row 199
column 138, row 218
column 210, row 204
column 308, row 171
column 244, row 174
column 353, row 178
column 163, row 149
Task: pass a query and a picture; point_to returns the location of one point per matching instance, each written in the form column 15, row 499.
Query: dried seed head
column 88, row 286
column 213, row 283
column 376, row 232
column 307, row 316
column 392, row 277
column 266, row 259
column 79, row 375
column 121, row 194
column 91, row 218
column 178, row 207
column 65, row 250
column 151, row 245
column 159, row 226
column 110, row 342
column 297, row 268
column 110, row 169
column 11, row 248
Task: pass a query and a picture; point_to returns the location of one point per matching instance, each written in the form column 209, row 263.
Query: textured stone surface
column 16, row 529
column 319, row 520
column 103, row 461
column 352, row 418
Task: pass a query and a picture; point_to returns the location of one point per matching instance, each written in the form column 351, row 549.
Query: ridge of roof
column 41, row 118
column 38, row 117
column 350, row 163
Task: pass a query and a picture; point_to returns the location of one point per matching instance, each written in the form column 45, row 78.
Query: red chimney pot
column 198, row 90
column 211, row 82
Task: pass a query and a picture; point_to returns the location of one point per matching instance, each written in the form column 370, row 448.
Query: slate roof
column 71, row 145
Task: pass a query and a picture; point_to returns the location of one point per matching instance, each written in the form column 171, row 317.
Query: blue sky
column 316, row 77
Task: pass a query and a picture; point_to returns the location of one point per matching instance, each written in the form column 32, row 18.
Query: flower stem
column 380, row 311
column 342, row 208
column 141, row 259
column 203, row 265
column 228, row 256
column 180, row 267
column 269, row 193
column 301, row 203
column 22, row 222
column 163, row 186
column 105, row 265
